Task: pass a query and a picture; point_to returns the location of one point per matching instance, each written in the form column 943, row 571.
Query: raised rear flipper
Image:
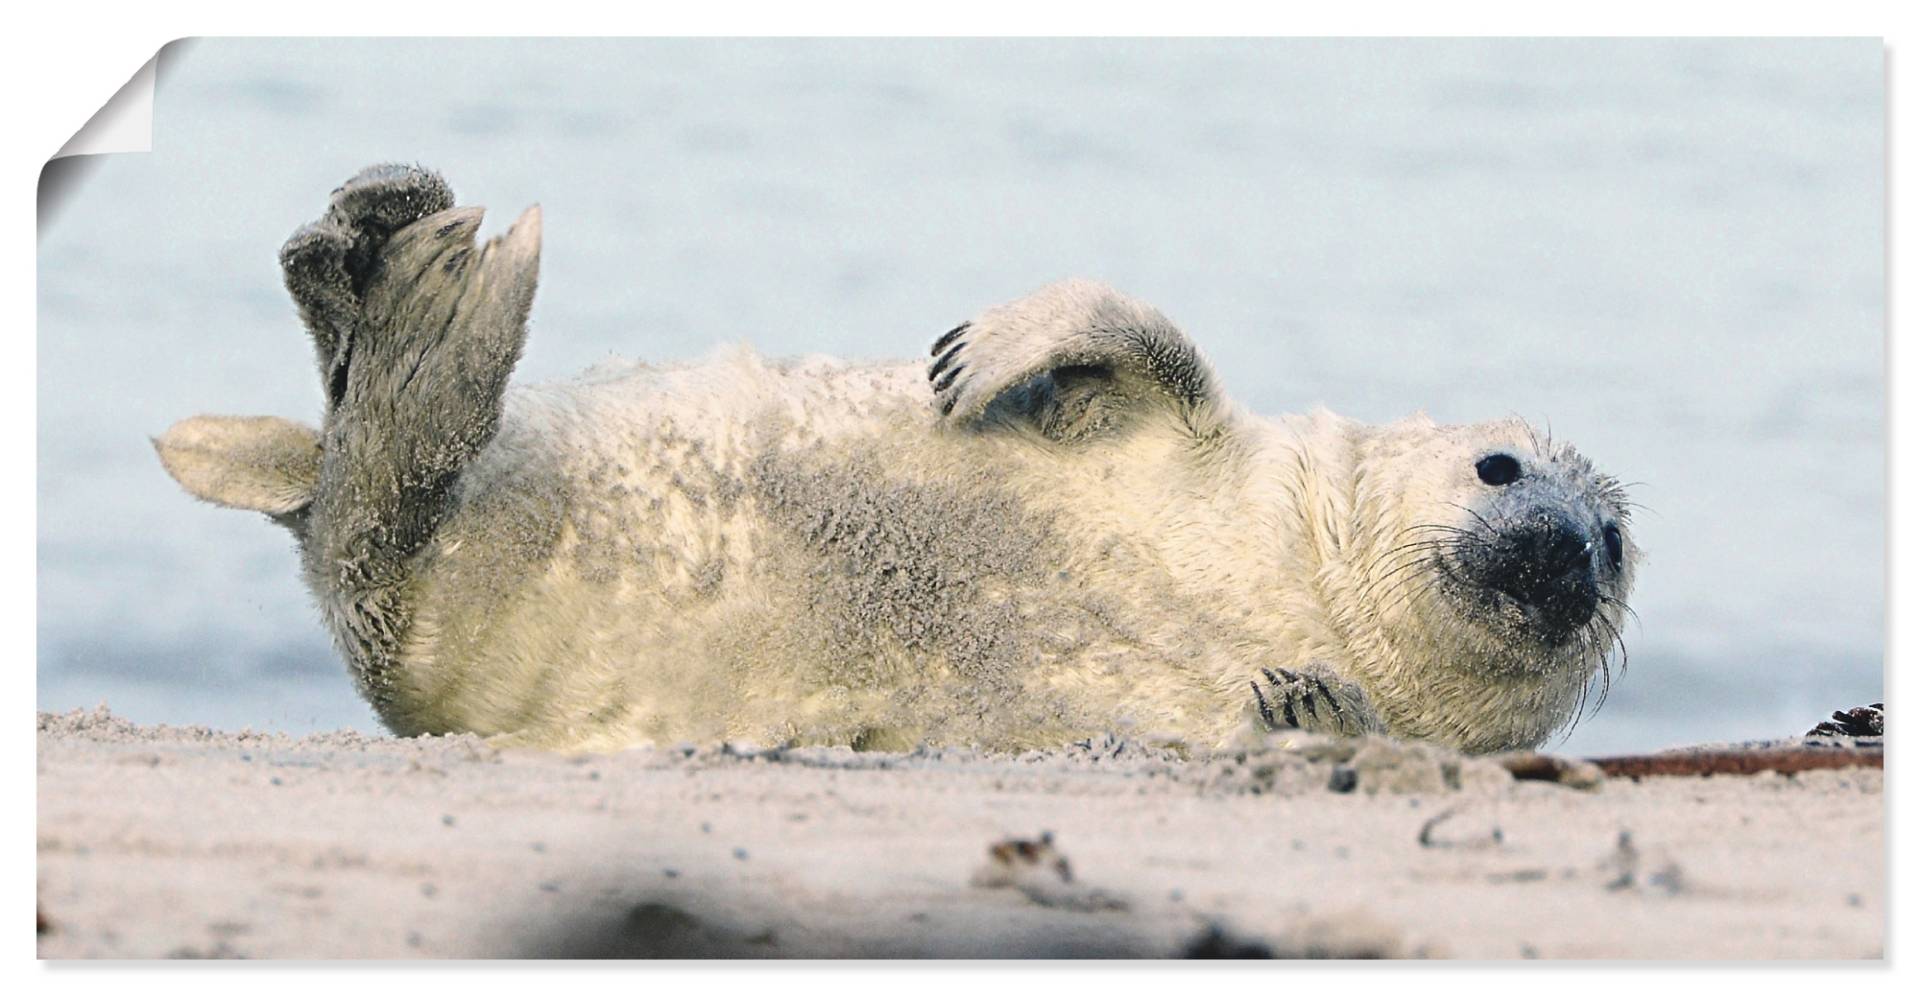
column 424, row 328
column 1073, row 361
column 329, row 264
column 416, row 330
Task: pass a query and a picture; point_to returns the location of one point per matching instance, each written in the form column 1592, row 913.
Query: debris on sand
column 1041, row 873
column 1446, row 831
column 1229, row 853
column 1302, row 764
column 1740, row 760
column 1626, row 868
column 1531, row 766
column 1860, row 721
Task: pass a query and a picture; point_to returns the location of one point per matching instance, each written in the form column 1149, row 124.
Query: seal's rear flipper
column 445, row 324
column 263, row 464
column 432, row 326
column 329, row 263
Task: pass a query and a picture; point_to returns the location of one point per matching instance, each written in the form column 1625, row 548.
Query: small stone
column 1668, row 880
column 1447, row 830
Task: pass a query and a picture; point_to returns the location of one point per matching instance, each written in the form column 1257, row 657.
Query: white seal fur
column 1061, row 528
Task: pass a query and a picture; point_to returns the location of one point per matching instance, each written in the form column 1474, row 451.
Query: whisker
column 1438, row 527
column 1428, row 543
column 1403, row 592
column 1477, row 517
column 1383, row 603
column 1415, row 554
column 1401, row 569
column 1619, row 640
column 1621, row 604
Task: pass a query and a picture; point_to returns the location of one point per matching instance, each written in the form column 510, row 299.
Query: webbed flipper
column 417, row 330
column 1073, row 360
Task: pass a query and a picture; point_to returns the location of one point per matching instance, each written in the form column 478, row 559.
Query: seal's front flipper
column 1314, row 699
column 263, row 464
column 1072, row 360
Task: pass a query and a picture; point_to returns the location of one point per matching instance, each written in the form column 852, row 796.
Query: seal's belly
column 656, row 562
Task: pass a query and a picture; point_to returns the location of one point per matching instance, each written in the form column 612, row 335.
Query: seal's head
column 1545, row 558
column 1511, row 552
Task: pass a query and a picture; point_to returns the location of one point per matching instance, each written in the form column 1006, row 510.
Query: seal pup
column 1056, row 528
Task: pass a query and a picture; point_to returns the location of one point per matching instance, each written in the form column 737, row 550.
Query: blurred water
column 1671, row 251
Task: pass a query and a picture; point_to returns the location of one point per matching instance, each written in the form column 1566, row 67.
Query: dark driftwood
column 1738, row 761
column 1530, row 767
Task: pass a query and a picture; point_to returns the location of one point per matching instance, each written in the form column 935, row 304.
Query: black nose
column 1546, row 562
column 1551, row 548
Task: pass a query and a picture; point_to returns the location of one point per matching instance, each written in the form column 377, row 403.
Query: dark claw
column 1286, row 699
column 1325, row 693
column 947, row 403
column 1266, row 711
column 945, row 358
column 947, row 381
column 941, row 343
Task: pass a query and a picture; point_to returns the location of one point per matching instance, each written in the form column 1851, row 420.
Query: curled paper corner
column 123, row 124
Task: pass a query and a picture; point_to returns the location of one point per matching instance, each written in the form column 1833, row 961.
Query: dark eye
column 1498, row 469
column 1616, row 550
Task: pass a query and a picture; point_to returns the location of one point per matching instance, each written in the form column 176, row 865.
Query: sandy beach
column 160, row 842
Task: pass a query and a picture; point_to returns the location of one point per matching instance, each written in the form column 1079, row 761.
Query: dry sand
column 164, row 842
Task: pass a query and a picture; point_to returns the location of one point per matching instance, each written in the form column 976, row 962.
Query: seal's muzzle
column 1545, row 562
